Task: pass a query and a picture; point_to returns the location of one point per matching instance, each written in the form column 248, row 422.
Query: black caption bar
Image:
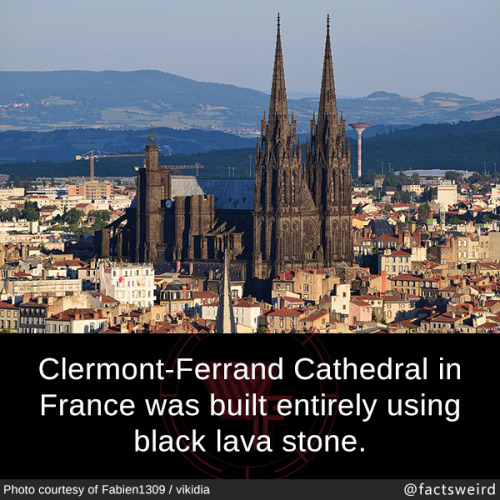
column 241, row 489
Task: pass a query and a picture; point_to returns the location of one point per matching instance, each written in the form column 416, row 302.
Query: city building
column 128, row 283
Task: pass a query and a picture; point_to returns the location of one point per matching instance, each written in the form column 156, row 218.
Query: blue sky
column 407, row 46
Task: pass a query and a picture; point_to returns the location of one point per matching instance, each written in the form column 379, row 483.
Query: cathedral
column 302, row 210
column 300, row 215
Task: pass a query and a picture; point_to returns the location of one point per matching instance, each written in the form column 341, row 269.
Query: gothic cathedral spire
column 327, row 101
column 278, row 107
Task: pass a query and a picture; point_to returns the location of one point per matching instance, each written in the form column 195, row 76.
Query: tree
column 72, row 217
column 103, row 215
column 390, row 180
column 31, row 212
column 415, row 178
column 429, row 194
column 423, row 213
column 401, row 197
column 369, row 177
column 454, row 221
column 451, row 175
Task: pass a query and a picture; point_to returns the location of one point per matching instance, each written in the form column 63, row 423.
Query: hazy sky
column 407, row 46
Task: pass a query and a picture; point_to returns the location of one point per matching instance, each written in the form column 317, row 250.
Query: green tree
column 31, row 212
column 454, row 221
column 104, row 215
column 390, row 180
column 429, row 194
column 72, row 217
column 415, row 178
column 401, row 197
column 451, row 175
column 369, row 177
column 423, row 213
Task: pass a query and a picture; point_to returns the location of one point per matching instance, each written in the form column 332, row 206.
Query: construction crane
column 92, row 155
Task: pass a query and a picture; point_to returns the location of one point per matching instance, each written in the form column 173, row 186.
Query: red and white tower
column 360, row 128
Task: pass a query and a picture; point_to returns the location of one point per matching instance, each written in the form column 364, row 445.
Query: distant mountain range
column 132, row 99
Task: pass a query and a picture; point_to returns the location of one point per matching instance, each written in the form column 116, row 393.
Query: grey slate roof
column 234, row 194
column 200, row 270
column 380, row 227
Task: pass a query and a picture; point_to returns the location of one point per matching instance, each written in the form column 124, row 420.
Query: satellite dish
column 168, row 203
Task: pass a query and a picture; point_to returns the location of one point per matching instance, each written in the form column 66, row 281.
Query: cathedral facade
column 300, row 215
column 302, row 208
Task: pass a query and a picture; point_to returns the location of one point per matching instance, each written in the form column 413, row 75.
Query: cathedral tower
column 302, row 213
column 328, row 169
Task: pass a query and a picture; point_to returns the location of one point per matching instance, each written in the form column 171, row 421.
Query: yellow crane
column 93, row 154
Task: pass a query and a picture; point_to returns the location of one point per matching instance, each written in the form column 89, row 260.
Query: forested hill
column 465, row 145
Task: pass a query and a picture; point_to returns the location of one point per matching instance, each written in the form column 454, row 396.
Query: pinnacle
column 327, row 104
column 278, row 107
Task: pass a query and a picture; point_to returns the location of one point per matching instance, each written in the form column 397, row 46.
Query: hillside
column 465, row 145
column 131, row 99
column 63, row 145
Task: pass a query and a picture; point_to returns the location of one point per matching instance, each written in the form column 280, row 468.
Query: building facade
column 300, row 217
column 302, row 212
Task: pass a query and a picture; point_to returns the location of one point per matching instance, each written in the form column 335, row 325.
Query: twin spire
column 278, row 107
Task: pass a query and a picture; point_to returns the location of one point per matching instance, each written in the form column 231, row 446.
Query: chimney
column 177, row 266
column 418, row 238
column 383, row 287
